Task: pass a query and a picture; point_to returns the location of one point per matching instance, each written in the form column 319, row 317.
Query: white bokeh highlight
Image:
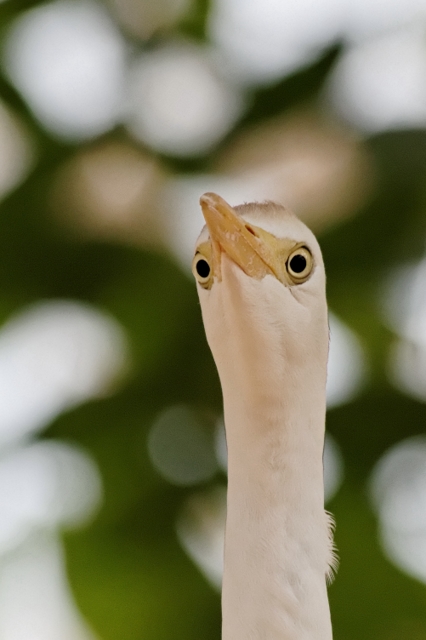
column 36, row 602
column 403, row 301
column 47, row 484
column 67, row 60
column 265, row 39
column 380, row 84
column 398, row 494
column 346, row 364
column 178, row 103
column 201, row 532
column 262, row 41
column 404, row 311
column 54, row 356
column 366, row 19
column 407, row 368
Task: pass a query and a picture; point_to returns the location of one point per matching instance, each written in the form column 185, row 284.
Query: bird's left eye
column 201, row 270
column 299, row 264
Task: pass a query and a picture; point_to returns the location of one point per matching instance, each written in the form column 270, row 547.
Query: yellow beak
column 249, row 247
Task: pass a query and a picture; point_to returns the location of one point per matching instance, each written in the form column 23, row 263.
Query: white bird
column 261, row 285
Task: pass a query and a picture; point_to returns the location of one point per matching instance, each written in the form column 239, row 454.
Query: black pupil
column 298, row 263
column 203, row 268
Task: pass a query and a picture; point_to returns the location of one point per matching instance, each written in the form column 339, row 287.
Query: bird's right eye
column 201, row 270
column 300, row 264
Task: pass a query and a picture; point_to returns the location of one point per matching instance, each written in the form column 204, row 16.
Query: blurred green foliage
column 130, row 576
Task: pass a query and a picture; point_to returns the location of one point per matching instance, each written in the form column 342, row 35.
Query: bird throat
column 277, row 541
column 277, row 545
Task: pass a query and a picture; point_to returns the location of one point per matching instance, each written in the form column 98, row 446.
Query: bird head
column 261, row 284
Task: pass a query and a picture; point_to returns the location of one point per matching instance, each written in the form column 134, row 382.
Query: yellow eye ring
column 299, row 264
column 202, row 270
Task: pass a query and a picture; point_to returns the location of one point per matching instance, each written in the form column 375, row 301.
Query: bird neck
column 277, row 543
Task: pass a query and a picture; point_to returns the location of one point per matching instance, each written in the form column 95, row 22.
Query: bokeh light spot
column 109, row 191
column 201, row 531
column 346, row 364
column 54, row 356
column 35, row 597
column 309, row 163
column 67, row 60
column 381, row 84
column 16, row 151
column 265, row 39
column 366, row 19
column 181, row 447
column 45, row 485
column 178, row 103
column 403, row 299
column 398, row 493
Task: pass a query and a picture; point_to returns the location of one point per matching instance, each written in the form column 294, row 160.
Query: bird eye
column 201, row 269
column 299, row 264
